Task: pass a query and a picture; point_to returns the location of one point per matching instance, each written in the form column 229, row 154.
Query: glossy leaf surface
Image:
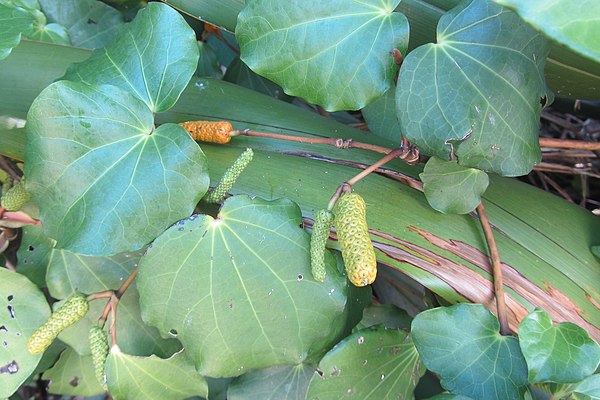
column 153, row 59
column 451, row 342
column 475, row 94
column 246, row 275
column 574, row 25
column 23, row 308
column 561, row 353
column 97, row 166
column 335, row 53
column 373, row 363
column 451, row 188
column 152, row 378
column 14, row 22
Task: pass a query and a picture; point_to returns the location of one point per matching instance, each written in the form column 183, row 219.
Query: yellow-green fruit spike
column 99, row 347
column 15, row 197
column 318, row 240
column 353, row 236
column 229, row 177
column 71, row 311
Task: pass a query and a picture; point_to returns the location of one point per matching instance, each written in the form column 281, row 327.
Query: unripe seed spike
column 229, row 177
column 71, row 311
column 353, row 236
column 99, row 347
column 209, row 131
column 318, row 240
column 15, row 197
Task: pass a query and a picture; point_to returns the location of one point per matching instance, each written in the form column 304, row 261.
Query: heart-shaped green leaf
column 153, row 58
column 562, row 353
column 14, row 22
column 373, row 363
column 588, row 389
column 250, row 301
column 106, row 181
column 334, row 53
column 288, row 382
column 451, row 188
column 34, row 254
column 451, row 340
column 572, row 24
column 239, row 73
column 73, row 375
column 152, row 378
column 69, row 272
column 475, row 94
column 23, row 308
column 90, row 24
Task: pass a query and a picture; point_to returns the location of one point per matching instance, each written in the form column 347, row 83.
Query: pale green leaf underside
column 373, row 363
column 288, row 382
column 333, row 53
column 73, row 375
column 130, row 377
column 90, row 24
column 574, row 24
column 588, row 389
column 562, row 353
column 475, row 95
column 153, row 58
column 14, row 22
column 451, row 340
column 246, row 276
column 23, row 308
column 104, row 180
column 69, row 272
column 451, row 188
column 52, row 33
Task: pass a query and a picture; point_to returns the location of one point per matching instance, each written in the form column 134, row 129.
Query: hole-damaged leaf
column 131, row 377
column 451, row 341
column 451, row 188
column 475, row 94
column 23, row 308
column 106, row 181
column 73, row 375
column 372, row 363
column 153, row 58
column 250, row 301
column 562, row 353
column 334, row 53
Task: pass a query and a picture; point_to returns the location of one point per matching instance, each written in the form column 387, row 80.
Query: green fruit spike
column 229, row 177
column 71, row 311
column 15, row 197
column 99, row 347
column 318, row 240
column 353, row 236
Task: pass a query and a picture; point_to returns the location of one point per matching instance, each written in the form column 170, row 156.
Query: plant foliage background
column 225, row 305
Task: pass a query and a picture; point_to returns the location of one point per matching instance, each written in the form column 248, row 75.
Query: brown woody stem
column 114, row 297
column 496, row 270
column 335, row 142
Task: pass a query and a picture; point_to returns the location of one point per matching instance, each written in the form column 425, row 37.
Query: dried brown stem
column 496, row 270
column 569, row 144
